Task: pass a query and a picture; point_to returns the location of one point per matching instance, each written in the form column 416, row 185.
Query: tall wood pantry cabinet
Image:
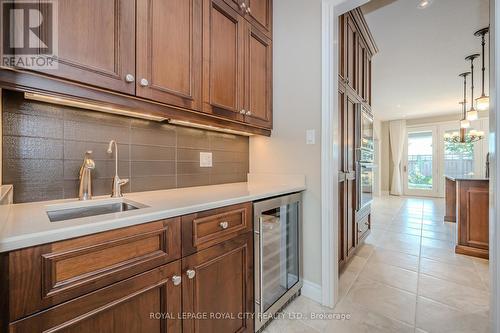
column 356, row 49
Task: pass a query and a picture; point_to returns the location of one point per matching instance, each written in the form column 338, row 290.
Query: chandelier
column 464, row 137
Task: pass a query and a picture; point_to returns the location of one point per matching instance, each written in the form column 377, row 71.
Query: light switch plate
column 205, row 160
column 311, row 136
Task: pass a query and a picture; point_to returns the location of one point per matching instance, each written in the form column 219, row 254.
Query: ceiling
column 422, row 51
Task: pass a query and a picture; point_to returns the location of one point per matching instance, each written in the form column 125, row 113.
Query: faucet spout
column 85, row 176
column 116, row 190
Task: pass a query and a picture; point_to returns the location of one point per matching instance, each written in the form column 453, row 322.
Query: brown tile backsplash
column 44, row 145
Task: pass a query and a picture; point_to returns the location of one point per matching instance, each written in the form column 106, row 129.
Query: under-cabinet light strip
column 109, row 109
column 90, row 106
column 208, row 127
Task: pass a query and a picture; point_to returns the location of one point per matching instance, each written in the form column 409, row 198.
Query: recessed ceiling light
column 422, row 4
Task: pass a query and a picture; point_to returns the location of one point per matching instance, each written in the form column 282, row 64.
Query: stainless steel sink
column 63, row 212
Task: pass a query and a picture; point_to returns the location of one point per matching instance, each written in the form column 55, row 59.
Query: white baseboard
column 312, row 290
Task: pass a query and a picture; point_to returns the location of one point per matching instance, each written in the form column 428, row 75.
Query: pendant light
column 464, row 122
column 482, row 102
column 472, row 114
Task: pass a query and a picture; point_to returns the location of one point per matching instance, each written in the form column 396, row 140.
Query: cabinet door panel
column 342, row 47
column 351, row 52
column 260, row 15
column 96, row 43
column 222, row 58
column 223, row 284
column 259, row 80
column 169, row 51
column 124, row 307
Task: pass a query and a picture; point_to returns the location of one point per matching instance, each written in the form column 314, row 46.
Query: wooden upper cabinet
column 342, row 48
column 96, row 43
column 259, row 13
column 223, row 57
column 169, row 51
column 124, row 307
column 221, row 283
column 351, row 39
column 258, row 92
column 361, row 69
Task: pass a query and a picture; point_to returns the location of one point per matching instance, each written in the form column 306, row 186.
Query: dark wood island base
column 467, row 204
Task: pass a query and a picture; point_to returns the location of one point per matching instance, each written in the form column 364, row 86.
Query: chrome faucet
column 85, row 191
column 116, row 190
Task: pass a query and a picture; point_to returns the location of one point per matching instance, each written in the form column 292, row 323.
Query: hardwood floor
column 405, row 278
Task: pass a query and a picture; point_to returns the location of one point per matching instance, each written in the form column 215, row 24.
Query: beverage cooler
column 277, row 244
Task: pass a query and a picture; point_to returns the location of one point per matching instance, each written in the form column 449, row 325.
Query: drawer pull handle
column 224, row 225
column 190, row 273
column 176, row 280
column 366, row 223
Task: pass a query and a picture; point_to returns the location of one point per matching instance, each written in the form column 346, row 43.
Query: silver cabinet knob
column 243, row 6
column 129, row 78
column 190, row 273
column 249, row 10
column 224, row 225
column 144, row 82
column 176, row 280
column 243, row 111
column 249, row 113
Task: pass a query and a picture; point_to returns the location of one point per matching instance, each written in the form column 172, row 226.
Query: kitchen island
column 467, row 202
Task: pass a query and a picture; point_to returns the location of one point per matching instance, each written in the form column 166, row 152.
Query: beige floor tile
column 393, row 244
column 365, row 250
column 410, row 229
column 434, row 317
column 444, row 236
column 356, row 264
column 391, row 275
column 446, row 255
column 383, row 300
column 346, row 280
column 463, row 275
column 482, row 268
column 439, row 227
column 285, row 325
column 402, row 237
column 440, row 244
column 375, row 237
column 363, row 321
column 395, row 258
column 453, row 294
column 407, row 220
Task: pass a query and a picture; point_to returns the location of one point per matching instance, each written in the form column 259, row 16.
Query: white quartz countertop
column 24, row 225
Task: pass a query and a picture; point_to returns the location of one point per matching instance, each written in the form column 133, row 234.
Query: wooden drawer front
column 363, row 227
column 68, row 269
column 207, row 228
column 124, row 307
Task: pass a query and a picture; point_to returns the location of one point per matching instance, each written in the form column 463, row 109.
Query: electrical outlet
column 311, row 137
column 205, row 160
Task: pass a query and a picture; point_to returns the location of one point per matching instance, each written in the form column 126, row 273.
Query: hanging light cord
column 472, row 82
column 483, row 69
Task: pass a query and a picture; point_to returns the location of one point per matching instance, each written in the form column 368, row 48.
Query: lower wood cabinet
column 219, row 284
column 472, row 217
column 136, row 279
column 149, row 302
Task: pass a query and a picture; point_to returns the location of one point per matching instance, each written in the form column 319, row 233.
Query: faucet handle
column 123, row 181
column 88, row 163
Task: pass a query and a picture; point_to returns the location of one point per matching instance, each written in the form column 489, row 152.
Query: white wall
column 296, row 108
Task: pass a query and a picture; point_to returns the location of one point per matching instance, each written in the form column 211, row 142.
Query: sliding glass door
column 420, row 167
